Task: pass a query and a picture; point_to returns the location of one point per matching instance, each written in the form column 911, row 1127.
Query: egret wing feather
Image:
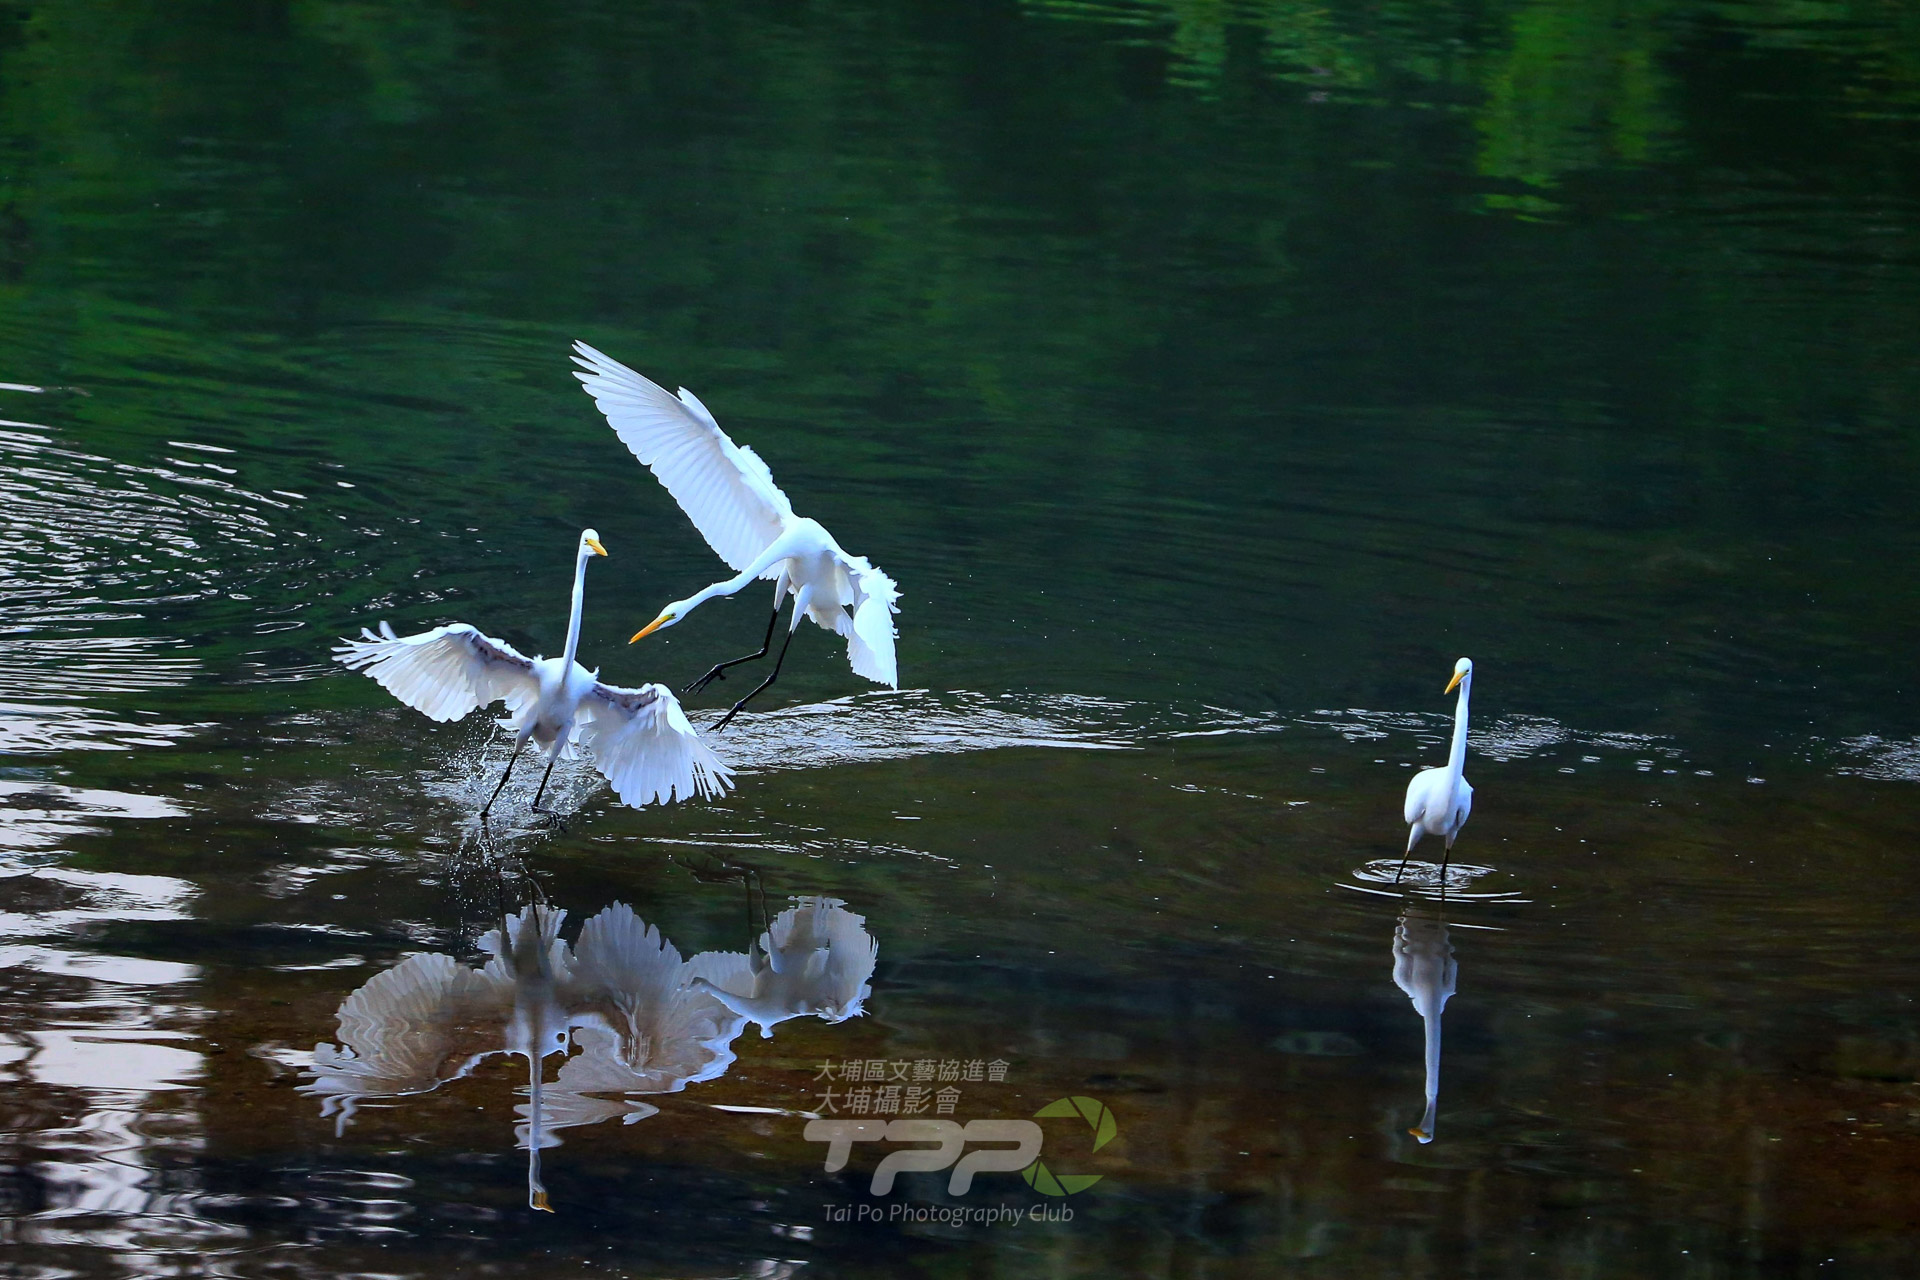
column 868, row 623
column 644, row 744
column 731, row 971
column 1423, row 791
column 725, row 489
column 410, row 1029
column 839, row 952
column 444, row 673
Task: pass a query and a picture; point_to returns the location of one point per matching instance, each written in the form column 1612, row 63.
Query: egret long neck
column 1432, row 1019
column 778, row 550
column 1457, row 758
column 579, row 606
column 536, row 1189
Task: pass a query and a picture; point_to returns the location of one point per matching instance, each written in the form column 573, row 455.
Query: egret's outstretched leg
column 517, row 748
column 1445, row 857
column 1413, row 838
column 764, row 683
column 719, row 671
column 550, row 815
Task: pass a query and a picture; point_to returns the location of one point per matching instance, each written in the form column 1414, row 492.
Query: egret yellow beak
column 1449, row 689
column 650, row 628
column 1421, row 1134
column 597, row 548
column 540, row 1197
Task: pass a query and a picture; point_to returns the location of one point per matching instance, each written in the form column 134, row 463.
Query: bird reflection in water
column 627, row 1015
column 815, row 958
column 1424, row 968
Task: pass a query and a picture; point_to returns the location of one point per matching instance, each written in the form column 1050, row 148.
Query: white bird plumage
column 1439, row 800
column 1424, row 968
column 621, row 997
column 728, row 493
column 814, row 958
column 640, row 738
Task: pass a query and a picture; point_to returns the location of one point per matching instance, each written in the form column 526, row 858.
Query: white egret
column 1424, row 968
column 640, row 738
column 621, row 998
column 1439, row 800
column 728, row 493
column 814, row 958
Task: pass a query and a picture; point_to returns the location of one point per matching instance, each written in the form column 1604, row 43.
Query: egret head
column 1461, row 670
column 668, row 616
column 590, row 542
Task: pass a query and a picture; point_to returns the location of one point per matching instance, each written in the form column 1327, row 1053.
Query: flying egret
column 640, row 738
column 1439, row 800
column 728, row 493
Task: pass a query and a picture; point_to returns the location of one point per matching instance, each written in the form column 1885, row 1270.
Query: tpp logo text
column 949, row 1138
column 1001, row 1146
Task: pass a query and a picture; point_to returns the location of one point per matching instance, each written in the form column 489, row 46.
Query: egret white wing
column 640, row 1027
column 725, row 489
column 731, row 971
column 837, row 952
column 410, row 1029
column 642, row 741
column 868, row 622
column 446, row 672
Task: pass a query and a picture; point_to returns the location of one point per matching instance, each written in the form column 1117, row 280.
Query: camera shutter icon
column 1105, row 1129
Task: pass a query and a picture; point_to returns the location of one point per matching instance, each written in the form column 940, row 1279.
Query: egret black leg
column 548, row 813
column 719, row 671
column 1413, row 838
column 763, row 684
column 517, row 748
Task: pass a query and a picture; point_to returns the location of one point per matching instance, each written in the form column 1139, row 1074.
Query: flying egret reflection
column 1439, row 800
column 640, row 738
column 729, row 494
column 815, row 958
column 1424, row 968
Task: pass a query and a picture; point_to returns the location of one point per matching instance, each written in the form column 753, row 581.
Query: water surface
column 1210, row 377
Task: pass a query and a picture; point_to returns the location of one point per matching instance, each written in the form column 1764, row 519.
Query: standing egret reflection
column 1424, row 968
column 640, row 738
column 728, row 493
column 1439, row 800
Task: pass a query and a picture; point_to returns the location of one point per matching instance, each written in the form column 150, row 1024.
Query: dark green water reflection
column 1210, row 377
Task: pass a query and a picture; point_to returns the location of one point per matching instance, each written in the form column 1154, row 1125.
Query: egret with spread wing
column 728, row 493
column 640, row 738
column 1439, row 800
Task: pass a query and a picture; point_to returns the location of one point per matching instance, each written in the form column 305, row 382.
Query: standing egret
column 640, row 738
column 1439, row 800
column 728, row 493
